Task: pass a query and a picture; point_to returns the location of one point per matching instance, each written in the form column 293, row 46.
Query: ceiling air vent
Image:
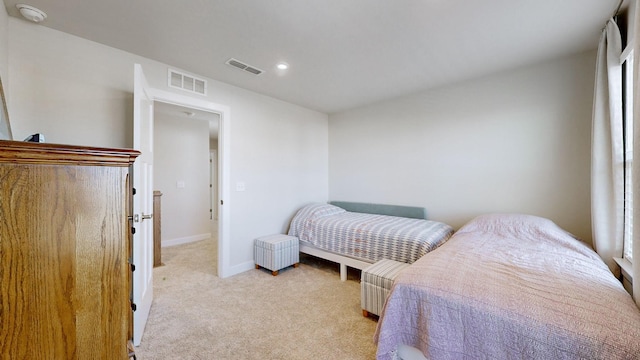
column 186, row 82
column 242, row 66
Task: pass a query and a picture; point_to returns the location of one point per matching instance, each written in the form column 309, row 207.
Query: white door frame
column 224, row 146
column 142, row 246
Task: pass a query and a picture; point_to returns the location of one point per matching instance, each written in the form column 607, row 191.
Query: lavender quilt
column 367, row 237
column 510, row 287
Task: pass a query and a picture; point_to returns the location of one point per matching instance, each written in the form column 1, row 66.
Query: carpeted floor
column 303, row 313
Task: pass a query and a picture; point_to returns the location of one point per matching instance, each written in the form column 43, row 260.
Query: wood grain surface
column 64, row 249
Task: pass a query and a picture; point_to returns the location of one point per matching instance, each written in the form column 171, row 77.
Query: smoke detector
column 31, row 13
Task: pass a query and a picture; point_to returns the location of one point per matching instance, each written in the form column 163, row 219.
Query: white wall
column 5, row 131
column 4, row 44
column 79, row 92
column 185, row 210
column 71, row 90
column 518, row 141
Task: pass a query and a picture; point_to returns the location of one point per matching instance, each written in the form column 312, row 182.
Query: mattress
column 367, row 237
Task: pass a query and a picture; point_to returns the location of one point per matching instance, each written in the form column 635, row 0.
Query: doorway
column 223, row 168
column 183, row 172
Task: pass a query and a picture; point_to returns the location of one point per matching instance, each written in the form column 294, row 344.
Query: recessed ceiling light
column 31, row 13
column 282, row 66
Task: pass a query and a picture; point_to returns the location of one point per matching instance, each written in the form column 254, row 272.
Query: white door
column 213, row 183
column 142, row 203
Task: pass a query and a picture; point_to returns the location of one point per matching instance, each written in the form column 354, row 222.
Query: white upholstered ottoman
column 375, row 284
column 276, row 252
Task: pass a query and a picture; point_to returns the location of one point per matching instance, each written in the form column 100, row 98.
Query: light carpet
column 303, row 313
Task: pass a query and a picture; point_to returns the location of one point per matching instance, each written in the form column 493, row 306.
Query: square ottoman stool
column 375, row 284
column 276, row 252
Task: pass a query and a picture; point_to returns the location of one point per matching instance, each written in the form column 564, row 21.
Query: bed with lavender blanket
column 365, row 238
column 510, row 287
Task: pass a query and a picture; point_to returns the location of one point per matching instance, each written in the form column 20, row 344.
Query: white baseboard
column 185, row 240
column 240, row 268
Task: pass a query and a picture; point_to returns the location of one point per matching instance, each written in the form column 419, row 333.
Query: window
column 627, row 76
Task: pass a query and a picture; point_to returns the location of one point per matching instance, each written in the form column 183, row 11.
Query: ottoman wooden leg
column 296, row 265
column 365, row 313
column 257, row 266
column 274, row 273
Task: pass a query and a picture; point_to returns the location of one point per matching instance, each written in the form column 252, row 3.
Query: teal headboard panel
column 392, row 210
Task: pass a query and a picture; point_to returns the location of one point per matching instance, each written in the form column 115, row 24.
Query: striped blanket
column 367, row 237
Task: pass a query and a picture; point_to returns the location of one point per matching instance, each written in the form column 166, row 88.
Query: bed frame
column 379, row 209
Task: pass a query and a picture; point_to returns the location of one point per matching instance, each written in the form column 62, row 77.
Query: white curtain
column 607, row 163
column 636, row 152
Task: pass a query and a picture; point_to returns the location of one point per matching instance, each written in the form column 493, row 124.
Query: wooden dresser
column 65, row 248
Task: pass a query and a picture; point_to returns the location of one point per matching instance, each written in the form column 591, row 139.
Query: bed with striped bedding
column 367, row 237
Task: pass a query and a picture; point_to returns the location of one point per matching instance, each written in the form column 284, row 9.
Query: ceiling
column 342, row 53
